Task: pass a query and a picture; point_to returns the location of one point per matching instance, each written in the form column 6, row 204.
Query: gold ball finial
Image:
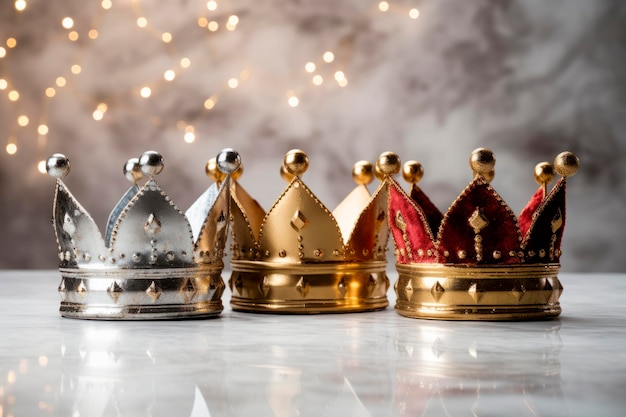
column 237, row 173
column 363, row 172
column 212, row 171
column 544, row 173
column 566, row 164
column 284, row 174
column 482, row 162
column 296, row 162
column 387, row 164
column 412, row 172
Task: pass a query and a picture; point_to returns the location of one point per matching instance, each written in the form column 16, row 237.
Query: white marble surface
column 368, row 364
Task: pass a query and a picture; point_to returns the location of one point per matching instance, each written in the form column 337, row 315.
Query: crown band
column 272, row 287
column 455, row 292
column 133, row 294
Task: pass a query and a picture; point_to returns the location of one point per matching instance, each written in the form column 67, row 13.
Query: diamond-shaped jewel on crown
column 300, row 257
column 478, row 261
column 154, row 262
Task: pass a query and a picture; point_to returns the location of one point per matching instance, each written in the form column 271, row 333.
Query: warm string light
column 329, row 57
column 326, row 69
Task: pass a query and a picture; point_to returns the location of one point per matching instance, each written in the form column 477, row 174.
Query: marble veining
column 367, row 364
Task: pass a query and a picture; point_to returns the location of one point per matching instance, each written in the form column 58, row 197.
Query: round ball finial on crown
column 482, row 161
column 412, row 172
column 363, row 172
column 228, row 160
column 213, row 171
column 132, row 170
column 58, row 166
column 544, row 173
column 296, row 162
column 566, row 164
column 151, row 163
column 387, row 164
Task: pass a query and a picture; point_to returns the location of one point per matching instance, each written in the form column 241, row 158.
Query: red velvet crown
column 479, row 228
column 479, row 261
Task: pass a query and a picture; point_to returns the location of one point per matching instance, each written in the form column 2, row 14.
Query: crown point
column 58, row 166
column 387, row 164
column 363, row 172
column 213, row 171
column 296, row 162
column 483, row 162
column 544, row 173
column 151, row 163
column 132, row 170
column 228, row 160
column 566, row 164
column 412, row 172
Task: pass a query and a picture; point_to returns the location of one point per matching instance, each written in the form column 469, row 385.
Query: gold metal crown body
column 479, row 261
column 154, row 262
column 301, row 258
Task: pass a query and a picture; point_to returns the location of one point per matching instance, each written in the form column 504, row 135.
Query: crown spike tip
column 58, row 166
column 566, row 164
column 412, row 172
column 363, row 172
column 482, row 161
column 387, row 164
column 151, row 163
column 296, row 162
column 228, row 161
column 132, row 170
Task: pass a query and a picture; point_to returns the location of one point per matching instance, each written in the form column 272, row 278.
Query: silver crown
column 154, row 262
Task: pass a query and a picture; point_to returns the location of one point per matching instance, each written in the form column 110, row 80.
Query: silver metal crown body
column 154, row 263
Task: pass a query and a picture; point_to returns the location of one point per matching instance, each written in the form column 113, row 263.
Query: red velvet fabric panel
column 540, row 232
column 500, row 234
column 433, row 215
column 404, row 213
column 526, row 216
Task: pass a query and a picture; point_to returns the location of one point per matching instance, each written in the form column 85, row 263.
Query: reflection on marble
column 361, row 365
column 527, row 78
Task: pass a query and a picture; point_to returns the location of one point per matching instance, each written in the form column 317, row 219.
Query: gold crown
column 301, row 258
column 154, row 262
column 479, row 261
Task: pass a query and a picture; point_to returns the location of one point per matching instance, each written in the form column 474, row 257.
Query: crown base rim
column 482, row 313
column 266, row 287
column 141, row 312
column 160, row 294
column 481, row 293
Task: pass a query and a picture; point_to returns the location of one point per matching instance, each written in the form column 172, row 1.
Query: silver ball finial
column 228, row 160
column 58, row 166
column 151, row 163
column 132, row 170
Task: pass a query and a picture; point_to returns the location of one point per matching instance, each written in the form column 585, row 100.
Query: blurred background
column 344, row 80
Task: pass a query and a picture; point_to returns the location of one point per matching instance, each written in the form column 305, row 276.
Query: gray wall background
column 527, row 78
